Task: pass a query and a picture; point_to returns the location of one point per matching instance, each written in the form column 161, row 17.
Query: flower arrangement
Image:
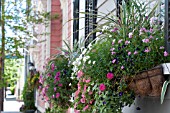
column 125, row 47
column 58, row 85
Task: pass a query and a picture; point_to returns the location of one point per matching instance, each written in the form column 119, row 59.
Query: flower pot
column 148, row 83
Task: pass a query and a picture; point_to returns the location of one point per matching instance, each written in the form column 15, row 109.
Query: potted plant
column 57, row 84
column 122, row 63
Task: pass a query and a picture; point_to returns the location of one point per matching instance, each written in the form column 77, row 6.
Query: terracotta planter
column 148, row 83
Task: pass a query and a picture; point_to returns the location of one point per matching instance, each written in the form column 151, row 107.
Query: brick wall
column 56, row 27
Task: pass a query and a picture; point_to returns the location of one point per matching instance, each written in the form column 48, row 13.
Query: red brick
column 55, row 2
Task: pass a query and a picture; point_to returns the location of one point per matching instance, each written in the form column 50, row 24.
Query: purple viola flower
column 120, row 93
column 165, row 53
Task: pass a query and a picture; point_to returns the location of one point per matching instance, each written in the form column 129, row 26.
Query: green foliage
column 28, row 95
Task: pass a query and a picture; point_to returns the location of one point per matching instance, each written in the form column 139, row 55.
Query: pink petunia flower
column 147, row 50
column 165, row 53
column 55, row 88
column 151, row 37
column 52, row 66
column 120, row 41
column 162, row 47
column 122, row 67
column 90, row 92
column 58, row 74
column 87, row 81
column 113, row 61
column 86, row 107
column 113, row 53
column 82, row 100
column 129, row 53
column 60, row 85
column 57, row 95
column 127, row 42
column 135, row 53
column 146, row 40
column 102, row 87
column 110, row 76
column 53, row 96
column 80, row 73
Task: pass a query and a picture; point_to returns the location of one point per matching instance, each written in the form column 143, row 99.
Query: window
column 167, row 25
column 90, row 19
column 75, row 21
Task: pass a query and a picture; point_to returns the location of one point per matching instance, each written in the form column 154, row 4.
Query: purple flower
column 165, row 53
column 151, row 30
column 122, row 67
column 120, row 41
column 113, row 53
column 151, row 37
column 120, row 93
column 162, row 47
column 58, row 74
column 52, row 66
column 55, row 88
column 115, row 29
column 147, row 50
column 113, row 61
column 57, row 95
column 146, row 40
column 112, row 49
column 135, row 53
column 129, row 53
column 143, row 29
column 127, row 42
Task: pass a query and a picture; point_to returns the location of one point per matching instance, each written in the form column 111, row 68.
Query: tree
column 17, row 23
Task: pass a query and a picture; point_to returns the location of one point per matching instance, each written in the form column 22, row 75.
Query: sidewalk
column 11, row 105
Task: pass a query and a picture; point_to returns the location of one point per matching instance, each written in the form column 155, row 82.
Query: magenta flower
column 129, row 53
column 130, row 35
column 49, row 75
column 85, row 88
column 57, row 95
column 102, row 87
column 86, row 107
column 162, row 47
column 165, row 53
column 113, row 61
column 83, row 100
column 122, row 67
column 60, row 85
column 147, row 50
column 52, row 66
column 58, row 74
column 110, row 76
column 57, row 79
column 80, row 73
column 135, row 53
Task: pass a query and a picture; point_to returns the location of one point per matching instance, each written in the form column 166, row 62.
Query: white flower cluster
column 82, row 59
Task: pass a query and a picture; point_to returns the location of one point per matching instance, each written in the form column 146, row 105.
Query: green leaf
column 164, row 90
